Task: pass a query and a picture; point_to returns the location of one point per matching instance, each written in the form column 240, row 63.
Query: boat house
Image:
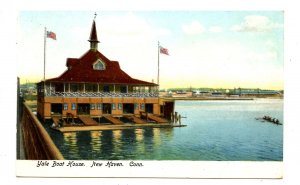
column 96, row 86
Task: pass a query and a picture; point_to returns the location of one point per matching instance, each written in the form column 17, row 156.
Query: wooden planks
column 114, row 120
column 87, row 120
column 157, row 118
column 136, row 120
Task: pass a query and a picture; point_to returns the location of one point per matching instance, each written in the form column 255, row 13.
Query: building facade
column 96, row 86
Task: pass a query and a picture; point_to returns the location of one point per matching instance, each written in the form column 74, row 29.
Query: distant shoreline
column 218, row 98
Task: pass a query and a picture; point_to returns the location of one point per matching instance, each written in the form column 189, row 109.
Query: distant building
column 217, row 94
column 96, row 86
column 201, row 93
column 255, row 92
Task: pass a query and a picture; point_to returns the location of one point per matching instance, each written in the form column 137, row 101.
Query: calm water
column 217, row 130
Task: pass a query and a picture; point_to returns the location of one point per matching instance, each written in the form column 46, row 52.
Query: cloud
column 131, row 40
column 221, row 63
column 193, row 28
column 215, row 29
column 129, row 30
column 256, row 23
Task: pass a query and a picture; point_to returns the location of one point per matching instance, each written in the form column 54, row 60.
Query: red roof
column 81, row 70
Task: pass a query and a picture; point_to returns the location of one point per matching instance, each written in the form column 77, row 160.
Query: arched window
column 99, row 65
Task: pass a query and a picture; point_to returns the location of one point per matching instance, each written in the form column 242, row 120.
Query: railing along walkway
column 101, row 94
column 37, row 143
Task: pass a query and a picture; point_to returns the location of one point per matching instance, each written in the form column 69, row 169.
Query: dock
column 90, row 124
column 114, row 120
column 206, row 98
column 116, row 127
column 87, row 120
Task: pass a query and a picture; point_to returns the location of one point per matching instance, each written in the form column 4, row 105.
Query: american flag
column 164, row 50
column 51, row 35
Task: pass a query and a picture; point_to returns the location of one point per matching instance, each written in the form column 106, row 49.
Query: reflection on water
column 117, row 134
column 156, row 138
column 139, row 136
column 71, row 143
column 217, row 130
column 113, row 144
column 96, row 141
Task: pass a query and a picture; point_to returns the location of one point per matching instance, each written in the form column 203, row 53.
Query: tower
column 93, row 38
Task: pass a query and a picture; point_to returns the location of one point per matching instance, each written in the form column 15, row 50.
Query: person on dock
column 53, row 125
column 179, row 119
column 172, row 117
column 176, row 117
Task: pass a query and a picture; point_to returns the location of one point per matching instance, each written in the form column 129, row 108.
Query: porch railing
column 101, row 94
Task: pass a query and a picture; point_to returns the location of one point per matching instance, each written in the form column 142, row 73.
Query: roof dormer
column 99, row 65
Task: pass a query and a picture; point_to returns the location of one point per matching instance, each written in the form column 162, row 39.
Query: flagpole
column 158, row 51
column 158, row 64
column 45, row 32
column 45, row 36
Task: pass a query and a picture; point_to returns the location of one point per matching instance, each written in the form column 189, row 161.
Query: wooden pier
column 116, row 127
column 116, row 124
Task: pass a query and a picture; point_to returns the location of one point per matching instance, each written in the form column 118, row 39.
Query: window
column 65, row 106
column 77, row 87
column 81, row 87
column 142, row 106
column 74, row 87
column 99, row 106
column 120, row 106
column 59, row 87
column 92, row 106
column 91, row 87
column 99, row 65
column 73, row 106
column 136, row 106
column 105, row 88
column 123, row 89
column 113, row 106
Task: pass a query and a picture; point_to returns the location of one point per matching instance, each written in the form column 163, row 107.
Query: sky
column 217, row 49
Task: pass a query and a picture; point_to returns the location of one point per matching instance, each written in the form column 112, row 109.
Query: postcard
column 150, row 94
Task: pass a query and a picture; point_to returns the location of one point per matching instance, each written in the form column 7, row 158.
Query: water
column 217, row 130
